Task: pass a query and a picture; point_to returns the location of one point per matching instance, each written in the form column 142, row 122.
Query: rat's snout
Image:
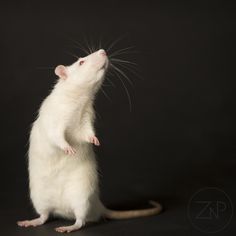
column 102, row 52
column 99, row 59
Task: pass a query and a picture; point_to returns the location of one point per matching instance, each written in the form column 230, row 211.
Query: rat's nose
column 102, row 52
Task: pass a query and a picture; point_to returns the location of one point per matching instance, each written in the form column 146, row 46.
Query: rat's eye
column 81, row 63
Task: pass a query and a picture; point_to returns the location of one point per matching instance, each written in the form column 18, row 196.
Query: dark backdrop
column 178, row 136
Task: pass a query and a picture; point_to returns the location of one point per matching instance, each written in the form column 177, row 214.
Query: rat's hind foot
column 35, row 222
column 67, row 229
column 27, row 223
column 95, row 141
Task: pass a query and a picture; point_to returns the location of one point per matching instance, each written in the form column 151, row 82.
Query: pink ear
column 61, row 71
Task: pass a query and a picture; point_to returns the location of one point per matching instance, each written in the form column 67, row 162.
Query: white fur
column 67, row 185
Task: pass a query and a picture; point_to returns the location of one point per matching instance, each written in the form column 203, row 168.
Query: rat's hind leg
column 80, row 212
column 34, row 222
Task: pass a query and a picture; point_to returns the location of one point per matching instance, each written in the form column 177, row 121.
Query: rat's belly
column 60, row 183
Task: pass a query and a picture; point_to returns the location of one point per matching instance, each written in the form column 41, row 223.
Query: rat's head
column 87, row 72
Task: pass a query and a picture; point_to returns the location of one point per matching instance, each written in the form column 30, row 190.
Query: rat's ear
column 61, row 72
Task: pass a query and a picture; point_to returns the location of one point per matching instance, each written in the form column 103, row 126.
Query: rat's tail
column 112, row 214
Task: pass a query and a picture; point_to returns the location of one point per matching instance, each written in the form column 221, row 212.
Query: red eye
column 81, row 63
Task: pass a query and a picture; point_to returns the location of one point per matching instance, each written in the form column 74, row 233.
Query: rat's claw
column 69, row 150
column 95, row 141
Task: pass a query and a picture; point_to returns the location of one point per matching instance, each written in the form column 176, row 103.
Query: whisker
column 106, row 85
column 115, row 42
column 122, row 73
column 126, row 90
column 92, row 45
column 97, row 115
column 87, row 44
column 100, row 42
column 71, row 54
column 80, row 46
column 121, row 50
column 131, row 69
column 123, row 61
column 111, row 72
column 106, row 94
column 125, row 52
column 131, row 66
column 110, row 81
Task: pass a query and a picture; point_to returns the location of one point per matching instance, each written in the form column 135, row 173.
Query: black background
column 178, row 137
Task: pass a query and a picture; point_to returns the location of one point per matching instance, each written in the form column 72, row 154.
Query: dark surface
column 178, row 137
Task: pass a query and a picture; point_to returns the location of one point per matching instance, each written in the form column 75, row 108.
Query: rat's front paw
column 69, row 150
column 94, row 140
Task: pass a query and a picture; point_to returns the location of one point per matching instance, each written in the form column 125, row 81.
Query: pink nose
column 102, row 52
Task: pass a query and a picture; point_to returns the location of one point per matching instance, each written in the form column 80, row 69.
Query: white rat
column 63, row 178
